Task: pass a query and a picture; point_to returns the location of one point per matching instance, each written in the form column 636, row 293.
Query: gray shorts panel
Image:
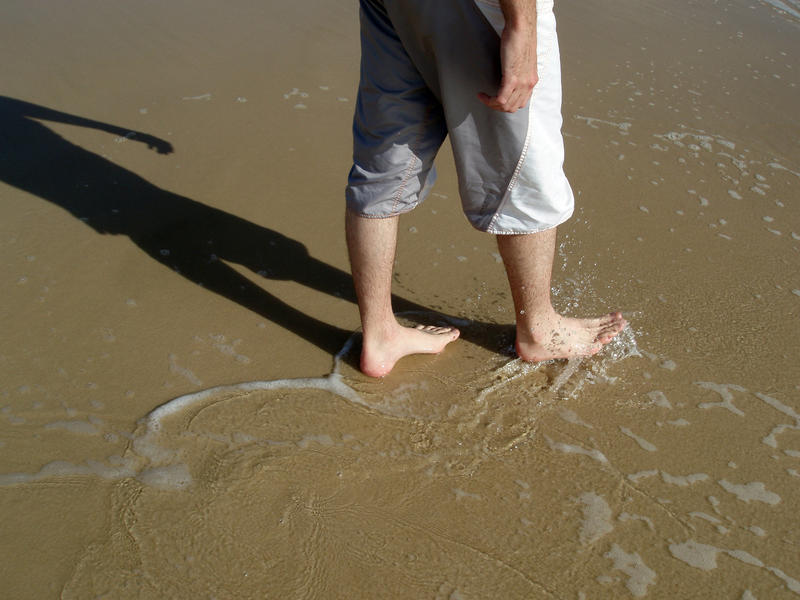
column 419, row 82
column 398, row 125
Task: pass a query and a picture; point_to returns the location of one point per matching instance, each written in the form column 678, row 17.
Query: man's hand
column 517, row 59
column 154, row 143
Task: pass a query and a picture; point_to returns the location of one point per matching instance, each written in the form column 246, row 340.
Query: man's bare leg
column 543, row 334
column 371, row 244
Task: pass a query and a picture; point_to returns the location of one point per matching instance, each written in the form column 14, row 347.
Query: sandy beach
column 180, row 416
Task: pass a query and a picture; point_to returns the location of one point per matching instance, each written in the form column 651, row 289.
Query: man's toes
column 607, row 335
column 595, row 348
column 434, row 329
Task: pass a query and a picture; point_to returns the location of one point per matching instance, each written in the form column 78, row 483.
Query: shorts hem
column 497, row 231
column 359, row 213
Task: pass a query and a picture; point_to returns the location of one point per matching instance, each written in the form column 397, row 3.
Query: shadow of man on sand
column 183, row 234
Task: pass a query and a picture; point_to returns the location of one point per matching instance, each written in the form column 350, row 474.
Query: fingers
column 498, row 103
column 511, row 96
column 160, row 146
column 514, row 93
column 510, row 105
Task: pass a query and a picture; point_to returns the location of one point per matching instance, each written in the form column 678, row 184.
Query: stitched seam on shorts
column 513, row 181
column 515, row 175
column 390, row 215
column 410, row 169
column 406, row 176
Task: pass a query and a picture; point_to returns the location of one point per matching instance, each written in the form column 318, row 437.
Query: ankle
column 380, row 330
column 532, row 326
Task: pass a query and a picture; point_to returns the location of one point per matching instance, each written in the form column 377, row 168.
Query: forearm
column 519, row 14
column 518, row 58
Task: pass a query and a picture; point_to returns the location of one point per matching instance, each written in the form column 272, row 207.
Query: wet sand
column 172, row 183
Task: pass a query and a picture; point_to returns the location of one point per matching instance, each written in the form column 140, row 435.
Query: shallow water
column 134, row 462
column 617, row 472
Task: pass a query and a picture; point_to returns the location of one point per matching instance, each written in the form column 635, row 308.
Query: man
column 427, row 70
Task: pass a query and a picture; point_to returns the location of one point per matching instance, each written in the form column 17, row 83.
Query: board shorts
column 423, row 63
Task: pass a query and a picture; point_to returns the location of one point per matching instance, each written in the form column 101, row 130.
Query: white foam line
column 642, row 474
column 702, row 138
column 683, row 480
column 206, row 96
column 624, row 516
column 575, row 449
column 161, row 469
column 771, row 439
column 738, row 162
column 705, row 517
column 697, row 555
column 754, row 490
column 704, row 557
column 790, row 582
column 723, row 389
column 679, row 480
column 83, row 427
column 645, row 445
column 658, row 398
column 745, row 557
column 596, row 518
column 778, row 405
column 640, row 576
column 332, row 383
column 174, row 367
column 780, row 167
column 462, row 494
column 570, row 416
column 590, row 121
column 62, row 468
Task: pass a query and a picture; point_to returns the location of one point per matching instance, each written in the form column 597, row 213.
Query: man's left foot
column 380, row 353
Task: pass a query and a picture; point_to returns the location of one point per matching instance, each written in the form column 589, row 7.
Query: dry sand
column 139, row 277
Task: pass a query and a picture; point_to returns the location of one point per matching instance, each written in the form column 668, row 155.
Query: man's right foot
column 556, row 336
column 380, row 353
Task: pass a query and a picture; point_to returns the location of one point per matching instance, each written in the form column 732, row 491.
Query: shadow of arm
column 11, row 107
